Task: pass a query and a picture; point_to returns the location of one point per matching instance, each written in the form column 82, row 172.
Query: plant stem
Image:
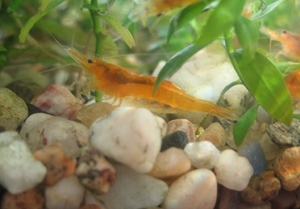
column 97, row 28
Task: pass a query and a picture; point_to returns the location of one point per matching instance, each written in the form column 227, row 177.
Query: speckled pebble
column 176, row 139
column 141, row 191
column 202, row 154
column 233, row 171
column 66, row 194
column 285, row 135
column 287, row 168
column 13, row 110
column 255, row 155
column 41, row 129
column 215, row 133
column 88, row 114
column 261, row 188
column 131, row 136
column 19, row 171
column 182, row 125
column 59, row 101
column 58, row 164
column 171, row 163
column 29, row 199
column 94, row 172
column 195, row 189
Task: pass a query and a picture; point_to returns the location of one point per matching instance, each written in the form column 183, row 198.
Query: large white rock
column 134, row 190
column 131, row 136
column 68, row 193
column 196, row 189
column 202, row 154
column 233, row 171
column 19, row 171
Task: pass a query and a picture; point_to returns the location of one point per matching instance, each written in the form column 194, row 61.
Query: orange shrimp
column 290, row 42
column 120, row 83
column 293, row 83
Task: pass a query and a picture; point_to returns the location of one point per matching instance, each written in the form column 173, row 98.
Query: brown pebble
column 261, row 188
column 30, row 199
column 58, row 164
column 182, row 125
column 216, row 134
column 94, row 172
column 284, row 200
column 90, row 206
column 287, row 168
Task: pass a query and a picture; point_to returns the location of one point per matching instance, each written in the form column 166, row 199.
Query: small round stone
column 176, row 139
column 59, row 101
column 171, row 163
column 65, row 194
column 216, row 134
column 29, row 199
column 94, row 172
column 13, row 110
column 261, row 188
column 287, row 168
column 195, row 189
column 182, row 125
column 131, row 136
column 202, row 154
column 58, row 164
column 19, row 170
column 233, row 171
column 134, row 190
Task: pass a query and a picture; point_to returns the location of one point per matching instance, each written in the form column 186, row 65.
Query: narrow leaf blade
column 220, row 20
column 242, row 126
column 121, row 30
column 265, row 82
column 185, row 16
column 267, row 10
column 247, row 34
column 31, row 22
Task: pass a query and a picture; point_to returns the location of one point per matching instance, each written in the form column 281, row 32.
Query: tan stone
column 216, row 134
column 287, row 168
column 171, row 163
column 261, row 188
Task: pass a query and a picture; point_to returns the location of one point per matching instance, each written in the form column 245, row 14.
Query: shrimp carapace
column 293, row 83
column 290, row 42
column 120, row 83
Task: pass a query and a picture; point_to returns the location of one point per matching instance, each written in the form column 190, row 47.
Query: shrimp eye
column 284, row 32
column 90, row 61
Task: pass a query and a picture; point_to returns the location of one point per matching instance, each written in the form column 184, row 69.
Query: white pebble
column 196, row 189
column 19, row 171
column 134, row 190
column 41, row 129
column 202, row 154
column 129, row 135
column 66, row 194
column 233, row 171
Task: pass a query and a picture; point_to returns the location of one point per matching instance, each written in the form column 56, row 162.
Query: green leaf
column 220, row 20
column 242, row 126
column 265, row 82
column 121, row 30
column 175, row 62
column 266, row 10
column 247, row 34
column 185, row 16
column 2, row 49
column 46, row 7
